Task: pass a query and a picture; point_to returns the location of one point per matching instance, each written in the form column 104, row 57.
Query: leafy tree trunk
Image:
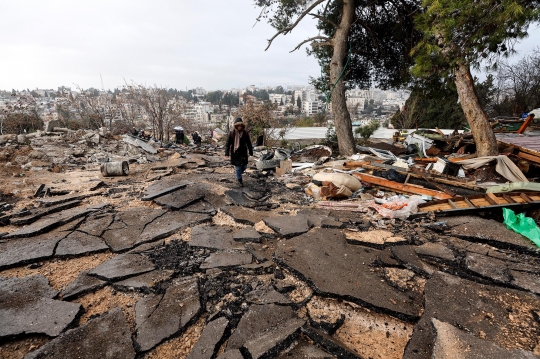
column 484, row 137
column 342, row 118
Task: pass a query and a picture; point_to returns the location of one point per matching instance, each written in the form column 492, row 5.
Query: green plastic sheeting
column 522, row 225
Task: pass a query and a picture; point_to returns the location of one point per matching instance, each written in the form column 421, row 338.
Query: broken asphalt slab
column 28, row 250
column 214, row 237
column 162, row 188
column 452, row 343
column 245, row 215
column 54, row 220
column 337, row 269
column 305, row 350
column 489, row 231
column 288, row 226
column 30, row 313
column 184, row 197
column 83, row 284
column 226, row 259
column 144, row 281
column 122, row 267
column 105, row 337
column 41, row 212
column 31, row 286
column 239, row 198
column 499, row 315
column 209, row 341
column 77, row 243
column 265, row 330
column 159, row 316
column 248, row 234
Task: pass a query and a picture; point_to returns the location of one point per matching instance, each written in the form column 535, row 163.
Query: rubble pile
column 313, row 258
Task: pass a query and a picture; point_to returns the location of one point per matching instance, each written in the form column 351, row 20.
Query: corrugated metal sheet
column 530, row 141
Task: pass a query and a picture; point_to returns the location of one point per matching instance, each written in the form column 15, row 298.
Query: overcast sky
column 173, row 43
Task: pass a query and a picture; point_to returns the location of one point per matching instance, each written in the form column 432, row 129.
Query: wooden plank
column 508, row 199
column 494, row 198
column 451, row 203
column 526, row 124
column 528, row 157
column 490, row 199
column 469, row 203
column 526, row 198
column 400, row 187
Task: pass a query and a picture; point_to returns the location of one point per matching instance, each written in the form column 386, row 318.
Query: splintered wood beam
column 400, row 187
column 508, row 198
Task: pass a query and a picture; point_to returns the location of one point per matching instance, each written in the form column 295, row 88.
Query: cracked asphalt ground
column 210, row 270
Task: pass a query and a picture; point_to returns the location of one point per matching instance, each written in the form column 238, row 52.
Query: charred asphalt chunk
column 31, row 286
column 227, row 259
column 267, row 295
column 305, row 350
column 105, row 337
column 265, row 330
column 337, row 269
column 489, row 231
column 245, row 215
column 330, row 344
column 288, row 226
column 83, row 284
column 210, row 340
column 30, row 313
column 53, row 221
column 180, row 257
column 203, row 206
column 329, row 324
column 319, row 219
column 169, row 223
column 144, row 281
column 28, row 250
column 451, row 342
column 499, row 315
column 80, row 243
column 248, row 234
column 159, row 316
column 122, row 267
column 239, row 198
column 214, row 237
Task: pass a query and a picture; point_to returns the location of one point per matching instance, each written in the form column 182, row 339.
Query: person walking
column 237, row 148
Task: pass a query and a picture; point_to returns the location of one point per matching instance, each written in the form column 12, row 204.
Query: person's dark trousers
column 239, row 170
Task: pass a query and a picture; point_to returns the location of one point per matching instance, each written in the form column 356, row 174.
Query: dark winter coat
column 240, row 157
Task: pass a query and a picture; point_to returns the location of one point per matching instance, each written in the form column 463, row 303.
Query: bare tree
column 92, row 108
column 408, row 115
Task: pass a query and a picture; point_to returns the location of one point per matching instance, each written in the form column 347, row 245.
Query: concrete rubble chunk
column 489, row 231
column 435, row 251
column 83, row 284
column 265, row 330
column 159, row 316
column 122, row 267
column 248, row 234
column 337, row 269
column 376, row 238
column 144, row 281
column 452, row 343
column 214, row 237
column 31, row 286
column 288, row 226
column 29, row 313
column 500, row 315
column 139, row 143
column 28, row 250
column 305, row 350
column 330, row 344
column 80, row 243
column 105, row 337
column 245, row 215
column 227, row 259
column 53, row 221
column 208, row 344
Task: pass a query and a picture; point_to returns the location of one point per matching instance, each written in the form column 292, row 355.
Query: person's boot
column 240, row 183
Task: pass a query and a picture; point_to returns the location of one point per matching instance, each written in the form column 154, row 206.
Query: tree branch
column 327, row 41
column 288, row 29
column 322, row 18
